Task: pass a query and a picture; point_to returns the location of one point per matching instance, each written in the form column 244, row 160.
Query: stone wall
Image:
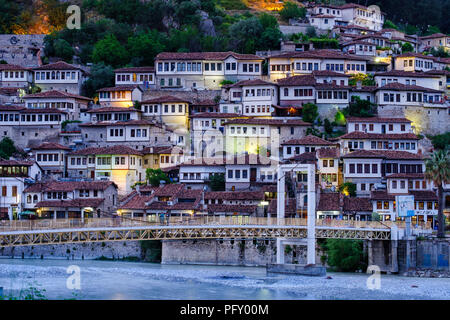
column 110, row 250
column 425, row 120
column 231, row 252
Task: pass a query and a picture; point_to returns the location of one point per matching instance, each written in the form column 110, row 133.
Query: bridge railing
column 43, row 224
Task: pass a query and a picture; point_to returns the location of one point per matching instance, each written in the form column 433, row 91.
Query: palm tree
column 438, row 171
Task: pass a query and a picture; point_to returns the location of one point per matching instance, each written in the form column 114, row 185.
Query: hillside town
column 203, row 133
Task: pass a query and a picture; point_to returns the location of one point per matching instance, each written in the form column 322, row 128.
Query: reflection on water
column 126, row 280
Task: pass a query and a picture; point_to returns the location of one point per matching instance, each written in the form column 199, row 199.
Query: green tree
column 9, row 11
column 110, row 51
column 245, row 34
column 438, row 171
column 291, row 10
column 309, row 112
column 348, row 189
column 101, row 76
column 388, row 24
column 7, row 148
column 440, row 52
column 327, row 126
column 346, row 255
column 441, row 141
column 155, row 176
column 268, row 21
column 407, row 47
column 63, row 50
column 360, row 108
column 339, row 118
column 311, row 32
column 144, row 47
column 217, row 182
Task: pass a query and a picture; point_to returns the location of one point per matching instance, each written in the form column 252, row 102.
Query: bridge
column 42, row 232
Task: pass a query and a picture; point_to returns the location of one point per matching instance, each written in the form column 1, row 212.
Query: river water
column 132, row 280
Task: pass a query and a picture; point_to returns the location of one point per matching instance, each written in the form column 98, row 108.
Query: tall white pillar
column 280, row 196
column 280, row 251
column 311, row 236
column 82, row 215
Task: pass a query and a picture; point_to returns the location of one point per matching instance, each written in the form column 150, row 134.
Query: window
column 325, row 163
column 352, row 168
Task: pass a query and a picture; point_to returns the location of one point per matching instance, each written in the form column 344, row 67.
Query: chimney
column 138, row 189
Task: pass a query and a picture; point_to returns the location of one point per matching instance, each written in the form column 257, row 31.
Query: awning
column 27, row 213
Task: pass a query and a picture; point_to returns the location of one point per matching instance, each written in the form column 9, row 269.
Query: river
column 112, row 280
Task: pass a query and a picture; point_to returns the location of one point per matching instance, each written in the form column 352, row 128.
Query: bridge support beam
column 394, row 247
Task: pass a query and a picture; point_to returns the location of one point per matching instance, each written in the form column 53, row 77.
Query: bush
column 309, row 112
column 441, row 141
column 348, row 189
column 346, row 255
column 291, row 10
column 217, row 182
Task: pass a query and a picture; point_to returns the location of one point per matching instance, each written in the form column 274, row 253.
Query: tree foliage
column 110, row 51
column 438, row 171
column 155, row 176
column 217, row 182
column 7, row 148
column 348, row 189
column 291, row 10
column 360, row 108
column 101, row 76
column 309, row 112
column 407, row 47
column 346, row 255
column 441, row 141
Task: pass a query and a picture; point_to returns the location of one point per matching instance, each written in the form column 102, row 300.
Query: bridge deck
column 42, row 232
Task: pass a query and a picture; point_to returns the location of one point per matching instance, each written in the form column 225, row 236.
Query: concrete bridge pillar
column 394, row 247
column 281, row 203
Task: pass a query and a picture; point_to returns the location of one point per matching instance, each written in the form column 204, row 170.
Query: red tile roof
column 162, row 150
column 253, row 82
column 329, row 201
column 384, row 154
column 60, row 65
column 117, row 149
column 328, row 73
column 303, row 80
column 328, row 153
column 51, row 146
column 357, row 205
column 205, row 56
column 169, row 190
column 319, row 54
column 26, row 163
column 11, row 108
column 309, row 140
column 9, row 91
column 12, row 67
column 67, row 186
column 396, row 86
column 434, row 35
column 378, row 136
column 76, row 203
column 137, row 201
column 55, row 94
column 200, row 161
column 305, row 157
column 423, row 195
